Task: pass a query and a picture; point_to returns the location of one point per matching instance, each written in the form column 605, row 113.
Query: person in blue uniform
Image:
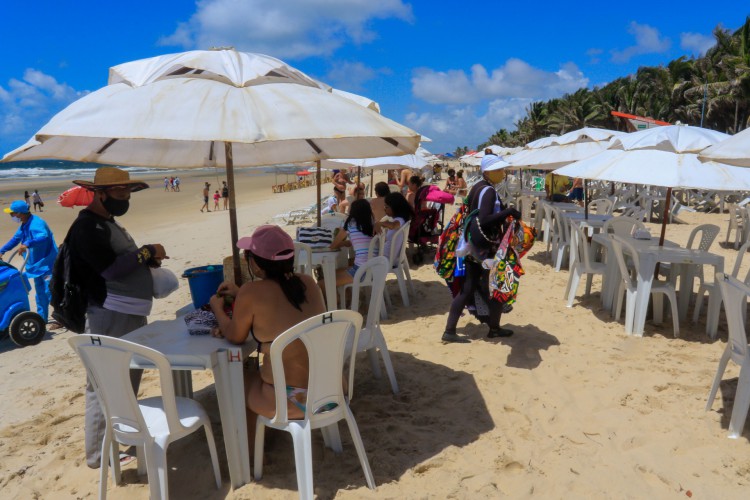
column 33, row 236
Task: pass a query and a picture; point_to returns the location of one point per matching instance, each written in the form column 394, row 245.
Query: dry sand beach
column 569, row 407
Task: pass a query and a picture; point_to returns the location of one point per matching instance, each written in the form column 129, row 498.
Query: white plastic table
column 687, row 259
column 611, row 278
column 204, row 352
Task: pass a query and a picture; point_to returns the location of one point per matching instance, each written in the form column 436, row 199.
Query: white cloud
column 467, row 125
column 28, row 103
column 348, row 75
column 516, row 78
column 648, row 40
column 696, row 43
column 284, row 28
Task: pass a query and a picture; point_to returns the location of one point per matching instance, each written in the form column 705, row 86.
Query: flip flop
column 126, row 459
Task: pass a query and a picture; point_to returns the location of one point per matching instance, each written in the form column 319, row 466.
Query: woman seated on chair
column 451, row 184
column 264, row 309
column 357, row 232
column 398, row 212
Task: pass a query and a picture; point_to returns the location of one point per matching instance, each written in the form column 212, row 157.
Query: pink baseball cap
column 268, row 242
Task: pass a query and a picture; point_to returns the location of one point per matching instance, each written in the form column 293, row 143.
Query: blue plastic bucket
column 203, row 282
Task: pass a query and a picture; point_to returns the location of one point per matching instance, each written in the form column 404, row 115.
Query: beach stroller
column 25, row 327
column 427, row 225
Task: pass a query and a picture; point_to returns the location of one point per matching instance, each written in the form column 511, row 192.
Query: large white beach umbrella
column 550, row 153
column 734, row 150
column 663, row 156
column 214, row 107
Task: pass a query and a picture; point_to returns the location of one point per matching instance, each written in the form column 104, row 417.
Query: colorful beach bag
column 506, row 272
column 522, row 237
column 445, row 257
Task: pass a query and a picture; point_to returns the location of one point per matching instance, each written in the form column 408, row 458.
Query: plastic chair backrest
column 525, row 203
column 332, row 221
column 302, row 258
column 602, row 206
column 738, row 261
column 619, row 246
column 325, row 338
column 376, row 246
column 562, row 229
column 734, row 294
column 372, row 274
column 107, row 362
column 622, row 226
column 583, row 246
column 708, row 233
column 399, row 241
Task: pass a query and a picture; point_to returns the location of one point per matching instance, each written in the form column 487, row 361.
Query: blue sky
column 455, row 71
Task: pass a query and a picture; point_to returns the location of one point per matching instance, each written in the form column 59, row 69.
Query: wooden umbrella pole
column 233, row 213
column 317, row 181
column 372, row 180
column 663, row 226
column 586, row 198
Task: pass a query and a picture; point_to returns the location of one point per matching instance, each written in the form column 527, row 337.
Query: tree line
column 715, row 87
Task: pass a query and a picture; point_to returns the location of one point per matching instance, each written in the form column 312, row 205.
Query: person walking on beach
column 27, row 198
column 37, row 199
column 206, row 190
column 166, row 184
column 33, row 236
column 484, row 230
column 115, row 274
column 217, row 197
column 225, row 194
column 177, row 184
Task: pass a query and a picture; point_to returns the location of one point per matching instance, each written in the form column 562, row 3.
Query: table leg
column 183, row 383
column 329, row 275
column 643, row 293
column 687, row 276
column 227, row 369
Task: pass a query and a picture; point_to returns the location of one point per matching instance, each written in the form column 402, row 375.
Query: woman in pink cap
column 265, row 308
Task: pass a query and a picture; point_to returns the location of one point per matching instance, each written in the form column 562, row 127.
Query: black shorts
column 205, row 199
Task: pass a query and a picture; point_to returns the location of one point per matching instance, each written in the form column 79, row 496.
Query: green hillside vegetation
column 671, row 93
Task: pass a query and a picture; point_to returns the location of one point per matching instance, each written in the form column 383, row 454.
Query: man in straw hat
column 115, row 274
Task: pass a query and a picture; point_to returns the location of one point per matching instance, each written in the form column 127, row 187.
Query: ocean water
column 59, row 169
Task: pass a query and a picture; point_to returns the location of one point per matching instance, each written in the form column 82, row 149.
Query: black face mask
column 116, row 207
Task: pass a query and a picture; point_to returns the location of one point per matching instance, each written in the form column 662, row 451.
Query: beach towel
column 506, row 271
column 316, row 237
column 437, row 195
column 445, row 256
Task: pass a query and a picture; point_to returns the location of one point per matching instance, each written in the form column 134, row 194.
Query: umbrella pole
column 359, row 178
column 663, row 226
column 372, row 180
column 586, row 198
column 317, row 182
column 233, row 213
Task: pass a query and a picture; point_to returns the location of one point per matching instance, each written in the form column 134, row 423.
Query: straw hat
column 108, row 177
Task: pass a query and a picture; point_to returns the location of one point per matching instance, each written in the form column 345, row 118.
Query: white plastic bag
column 165, row 282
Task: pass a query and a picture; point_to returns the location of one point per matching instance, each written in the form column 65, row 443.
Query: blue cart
column 24, row 327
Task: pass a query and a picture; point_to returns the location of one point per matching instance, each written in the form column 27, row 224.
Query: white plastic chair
column 375, row 249
column 399, row 264
column 371, row 337
column 734, row 294
column 714, row 300
column 325, row 337
column 524, row 206
column 582, row 264
column 303, row 258
column 150, row 424
column 705, row 234
column 602, row 206
column 629, row 288
column 735, row 224
column 636, row 213
column 560, row 239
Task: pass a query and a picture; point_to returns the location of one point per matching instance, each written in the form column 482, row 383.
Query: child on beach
column 217, row 197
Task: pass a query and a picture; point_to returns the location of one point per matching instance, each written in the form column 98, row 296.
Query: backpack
column 445, row 256
column 68, row 299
